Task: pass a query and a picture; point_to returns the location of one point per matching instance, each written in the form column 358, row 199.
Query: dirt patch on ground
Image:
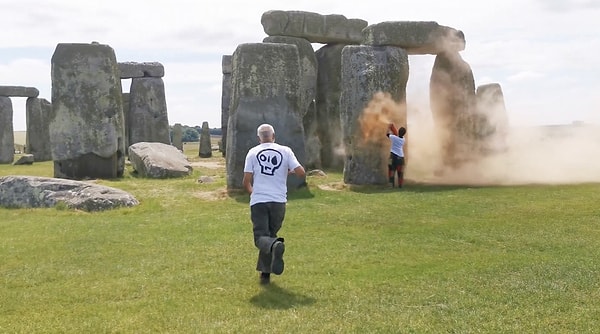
column 335, row 186
column 216, row 195
column 208, row 164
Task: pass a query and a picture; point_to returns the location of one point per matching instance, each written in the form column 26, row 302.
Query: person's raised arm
column 393, row 129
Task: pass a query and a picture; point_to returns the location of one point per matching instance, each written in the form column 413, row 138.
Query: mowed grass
column 426, row 259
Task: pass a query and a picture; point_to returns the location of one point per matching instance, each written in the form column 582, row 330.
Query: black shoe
column 277, row 257
column 265, row 278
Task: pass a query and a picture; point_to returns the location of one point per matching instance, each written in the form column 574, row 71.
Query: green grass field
column 426, row 259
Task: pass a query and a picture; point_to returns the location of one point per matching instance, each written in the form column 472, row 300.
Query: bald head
column 265, row 133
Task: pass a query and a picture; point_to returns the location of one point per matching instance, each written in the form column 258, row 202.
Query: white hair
column 265, row 131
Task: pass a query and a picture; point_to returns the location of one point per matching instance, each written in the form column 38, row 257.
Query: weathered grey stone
column 178, row 136
column 308, row 65
column 131, row 70
column 25, row 159
column 313, row 149
column 87, row 123
column 316, row 28
column 416, row 37
column 329, row 87
column 225, row 100
column 226, row 66
column 148, row 119
column 492, row 123
column 43, row 192
column 19, row 91
column 158, row 160
column 308, row 88
column 205, row 149
column 37, row 139
column 7, row 137
column 265, row 89
column 366, row 71
column 453, row 104
column 126, row 107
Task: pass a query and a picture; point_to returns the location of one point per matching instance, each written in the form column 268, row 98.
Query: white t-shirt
column 397, row 145
column 269, row 163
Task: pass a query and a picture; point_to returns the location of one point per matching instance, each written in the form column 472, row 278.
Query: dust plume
column 378, row 114
column 559, row 154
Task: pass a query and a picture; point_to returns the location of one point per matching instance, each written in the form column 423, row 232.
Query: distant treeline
column 192, row 133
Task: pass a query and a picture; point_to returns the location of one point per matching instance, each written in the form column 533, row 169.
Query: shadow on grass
column 275, row 297
column 413, row 188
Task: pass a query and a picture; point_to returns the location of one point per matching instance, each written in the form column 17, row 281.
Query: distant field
column 20, row 137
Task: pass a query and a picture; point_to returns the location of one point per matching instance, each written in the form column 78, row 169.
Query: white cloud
column 525, row 76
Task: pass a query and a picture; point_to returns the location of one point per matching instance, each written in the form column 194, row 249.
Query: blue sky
column 544, row 53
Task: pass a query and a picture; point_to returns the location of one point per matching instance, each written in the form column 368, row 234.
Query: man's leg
column 259, row 214
column 400, row 169
column 276, row 216
column 391, row 169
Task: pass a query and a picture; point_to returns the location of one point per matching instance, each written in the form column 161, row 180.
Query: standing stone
column 308, row 86
column 87, row 122
column 493, row 123
column 452, row 97
column 7, row 136
column 205, row 149
column 125, row 97
column 37, row 140
column 366, row 71
column 177, row 136
column 148, row 119
column 225, row 100
column 312, row 142
column 329, row 87
column 265, row 89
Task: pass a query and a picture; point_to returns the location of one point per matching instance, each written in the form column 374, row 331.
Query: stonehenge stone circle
column 328, row 121
column 367, row 70
column 178, row 136
column 37, row 138
column 131, row 70
column 205, row 144
column 7, row 139
column 332, row 138
column 225, row 100
column 147, row 117
column 315, row 28
column 452, row 101
column 265, row 89
column 19, row 91
column 87, row 123
column 415, row 37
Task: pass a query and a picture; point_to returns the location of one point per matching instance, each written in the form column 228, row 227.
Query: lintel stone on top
column 19, row 91
column 139, row 70
column 416, row 37
column 316, row 28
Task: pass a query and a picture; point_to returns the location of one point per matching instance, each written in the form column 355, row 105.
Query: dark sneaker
column 265, row 278
column 277, row 257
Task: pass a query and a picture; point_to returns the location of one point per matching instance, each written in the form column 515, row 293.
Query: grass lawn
column 426, row 259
